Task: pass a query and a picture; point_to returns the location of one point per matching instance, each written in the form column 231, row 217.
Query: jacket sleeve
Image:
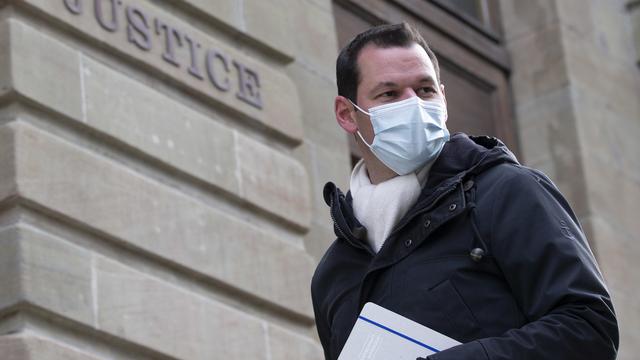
column 324, row 332
column 542, row 252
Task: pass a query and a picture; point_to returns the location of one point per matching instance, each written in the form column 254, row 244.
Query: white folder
column 381, row 334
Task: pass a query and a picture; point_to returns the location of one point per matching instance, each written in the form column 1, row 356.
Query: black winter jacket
column 533, row 291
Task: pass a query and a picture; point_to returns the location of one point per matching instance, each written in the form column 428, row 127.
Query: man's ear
column 345, row 114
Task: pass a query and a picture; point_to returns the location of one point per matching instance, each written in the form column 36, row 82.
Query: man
column 449, row 230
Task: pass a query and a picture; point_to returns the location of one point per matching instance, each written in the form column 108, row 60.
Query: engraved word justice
column 144, row 31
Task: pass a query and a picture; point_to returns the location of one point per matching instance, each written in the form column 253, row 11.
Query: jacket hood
column 464, row 154
column 462, row 157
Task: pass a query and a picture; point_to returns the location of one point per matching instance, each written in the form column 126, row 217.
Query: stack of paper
column 380, row 334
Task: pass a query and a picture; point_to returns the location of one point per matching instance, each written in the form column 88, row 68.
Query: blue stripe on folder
column 399, row 334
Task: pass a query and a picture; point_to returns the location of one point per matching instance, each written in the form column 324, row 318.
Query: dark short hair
column 384, row 36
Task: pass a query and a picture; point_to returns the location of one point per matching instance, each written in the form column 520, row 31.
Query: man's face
column 393, row 74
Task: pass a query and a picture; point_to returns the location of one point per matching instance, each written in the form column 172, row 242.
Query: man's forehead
column 374, row 62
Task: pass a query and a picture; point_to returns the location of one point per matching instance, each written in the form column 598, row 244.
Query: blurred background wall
column 161, row 162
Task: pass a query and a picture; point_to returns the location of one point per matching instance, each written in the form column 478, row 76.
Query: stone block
column 159, row 126
column 7, row 163
column 610, row 132
column 328, row 164
column 146, row 215
column 228, row 12
column 628, row 313
column 248, row 18
column 14, row 347
column 10, row 281
column 320, row 237
column 5, row 58
column 273, row 180
column 613, row 195
column 317, row 94
column 598, row 23
column 266, row 98
column 550, row 142
column 286, row 345
column 50, row 273
column 600, row 79
column 523, row 18
column 44, row 69
column 304, row 155
column 544, row 120
column 577, row 15
column 635, row 25
column 316, row 43
column 539, row 64
column 325, row 164
column 333, row 165
column 617, row 255
column 615, row 252
column 270, row 22
column 31, row 347
column 326, row 5
column 163, row 317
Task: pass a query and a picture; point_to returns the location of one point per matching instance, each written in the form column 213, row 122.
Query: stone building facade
column 576, row 87
column 161, row 162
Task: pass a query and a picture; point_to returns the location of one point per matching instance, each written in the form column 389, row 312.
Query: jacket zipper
column 335, row 223
column 423, row 210
column 341, row 231
column 398, row 228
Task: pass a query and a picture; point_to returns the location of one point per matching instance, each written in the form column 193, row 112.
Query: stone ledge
column 213, row 69
column 157, row 125
column 8, row 186
column 28, row 347
column 248, row 18
column 27, row 73
column 145, row 119
column 241, row 18
column 191, row 142
column 114, row 200
column 285, row 345
column 154, row 314
column 38, row 270
column 162, row 317
column 273, row 181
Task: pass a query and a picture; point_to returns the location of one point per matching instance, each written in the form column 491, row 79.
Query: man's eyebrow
column 383, row 84
column 427, row 79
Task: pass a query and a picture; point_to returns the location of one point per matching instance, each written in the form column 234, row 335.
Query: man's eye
column 387, row 94
column 426, row 90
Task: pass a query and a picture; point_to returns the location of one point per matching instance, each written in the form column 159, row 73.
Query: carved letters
column 144, row 31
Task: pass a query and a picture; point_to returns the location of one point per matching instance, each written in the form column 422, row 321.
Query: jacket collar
column 462, row 156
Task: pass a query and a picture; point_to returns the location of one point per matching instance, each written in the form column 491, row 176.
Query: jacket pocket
column 457, row 317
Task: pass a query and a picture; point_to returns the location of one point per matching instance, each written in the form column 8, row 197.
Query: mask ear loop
column 359, row 108
column 358, row 131
column 361, row 138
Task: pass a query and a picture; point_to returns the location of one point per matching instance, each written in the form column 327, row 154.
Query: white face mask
column 408, row 133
